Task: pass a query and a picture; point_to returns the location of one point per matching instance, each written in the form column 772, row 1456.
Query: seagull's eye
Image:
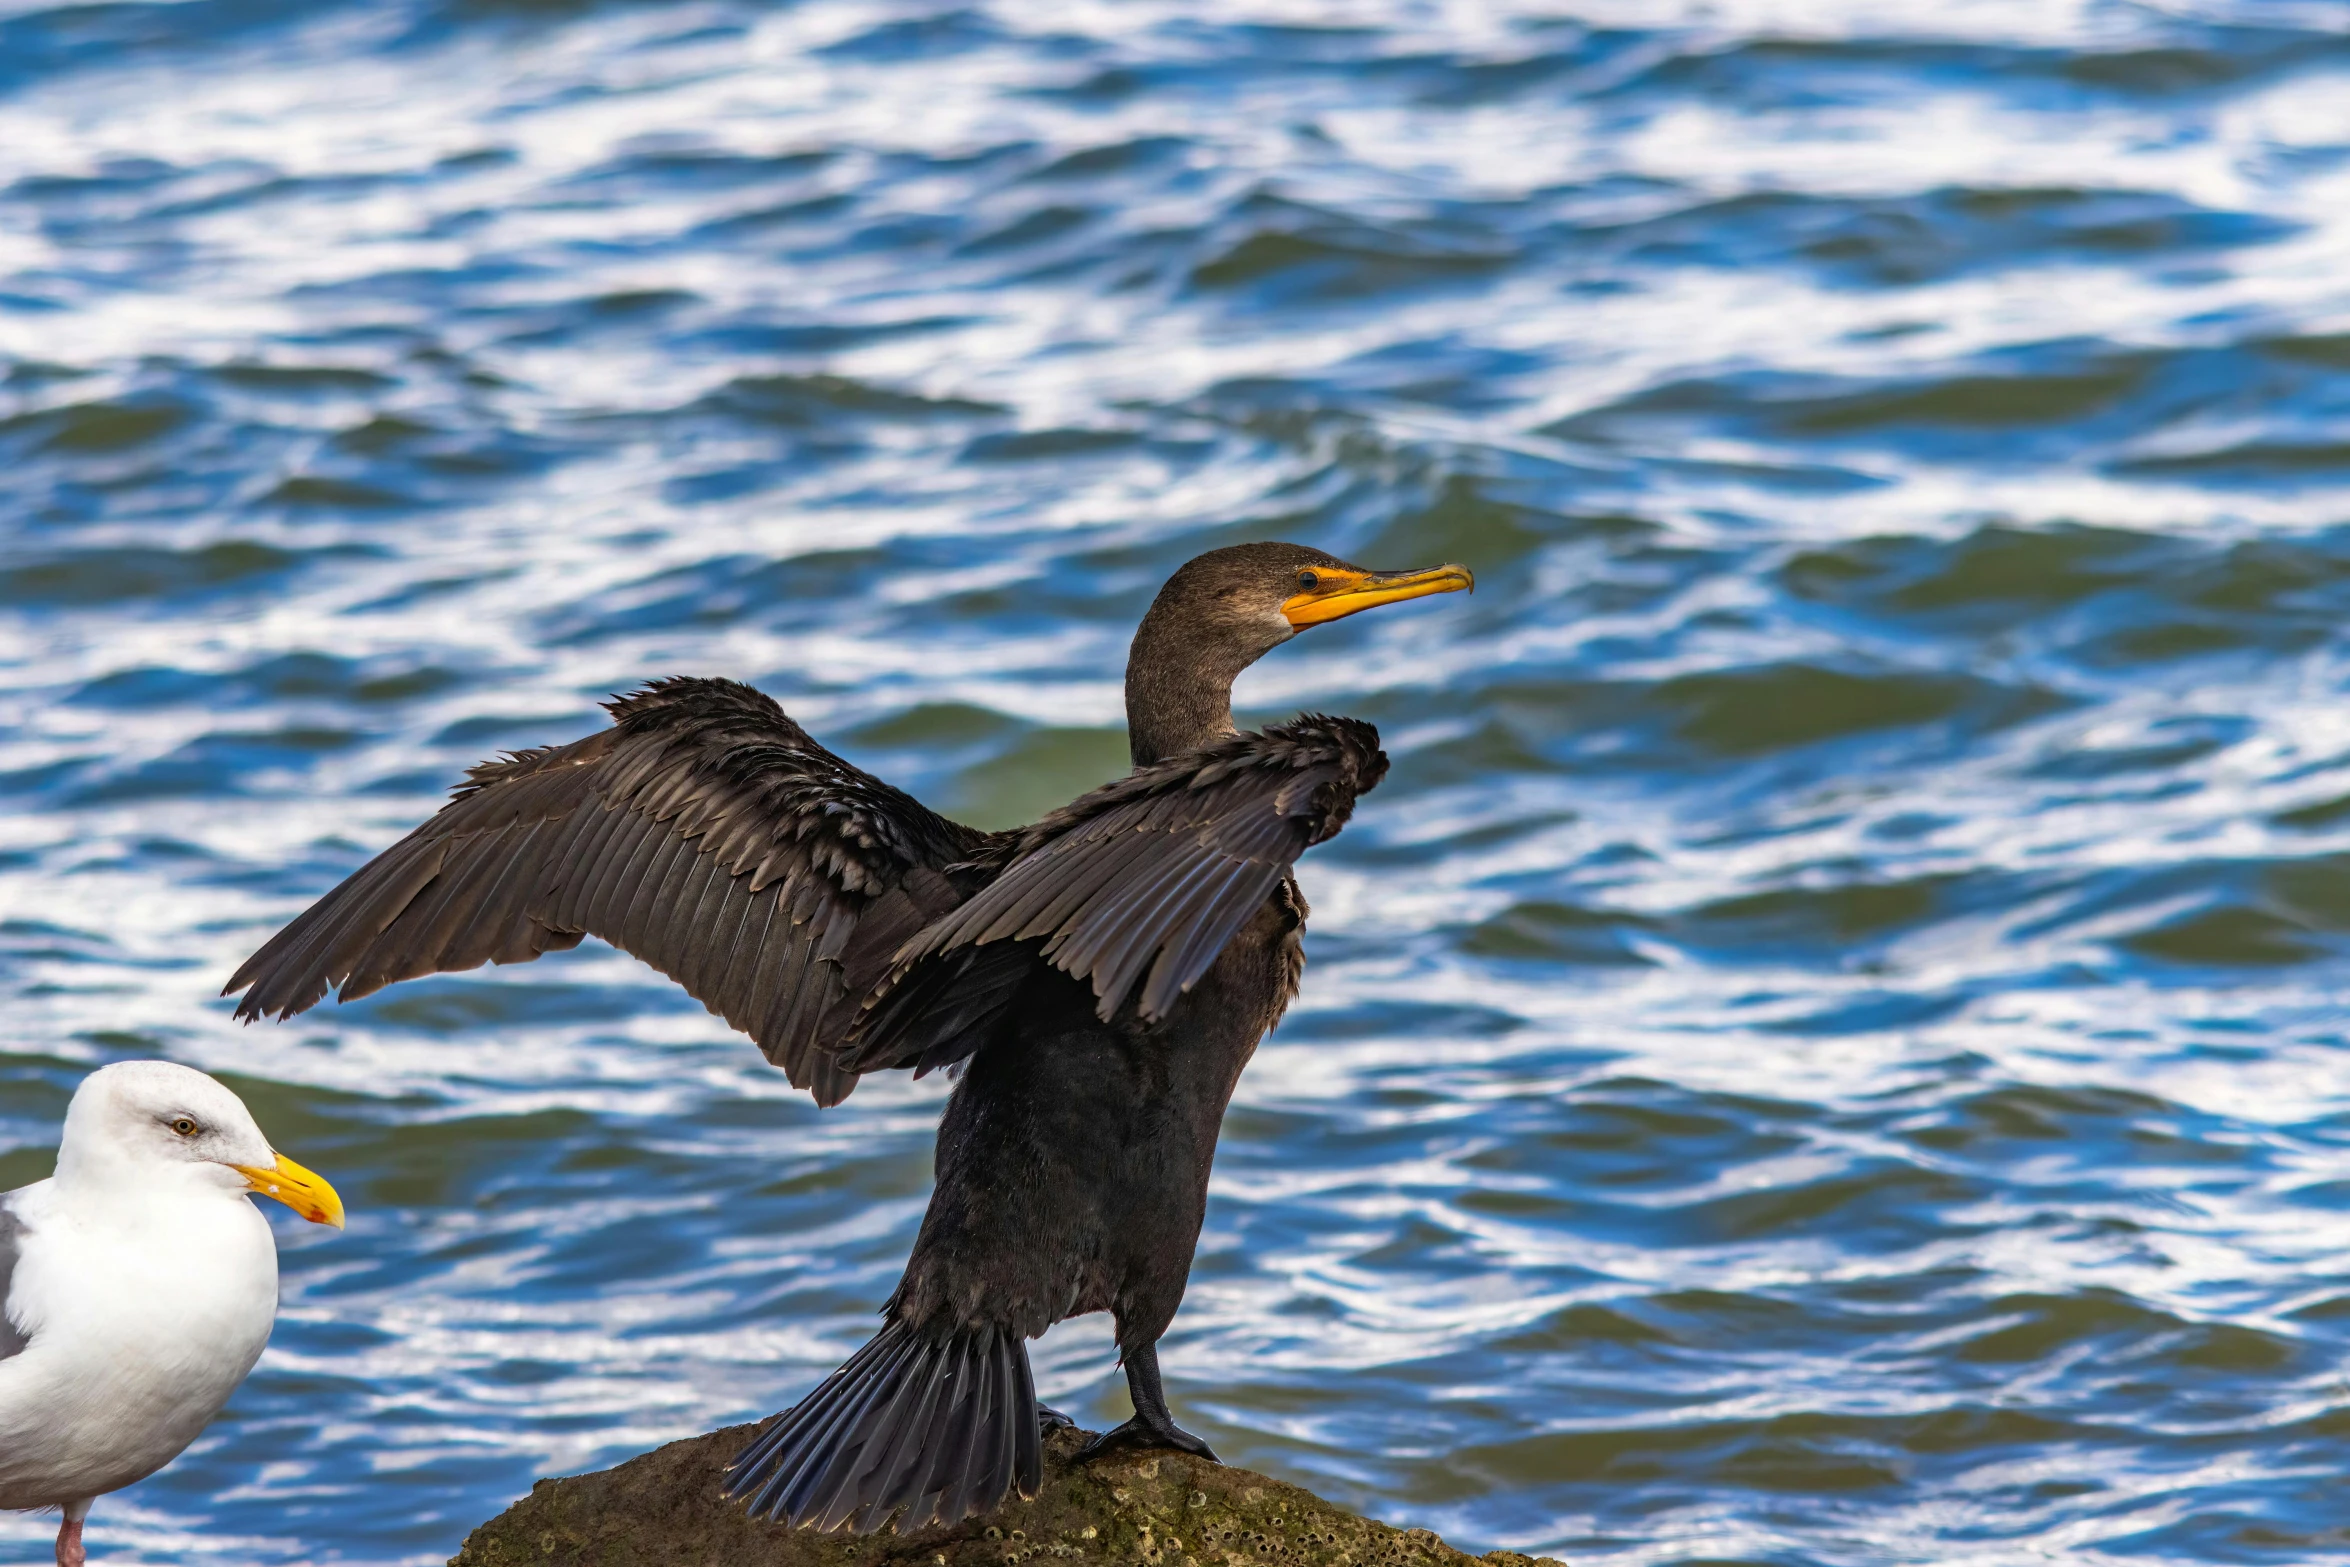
column 184, row 1125
column 1308, row 581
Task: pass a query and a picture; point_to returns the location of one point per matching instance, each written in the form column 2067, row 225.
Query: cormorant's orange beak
column 1339, row 591
column 299, row 1189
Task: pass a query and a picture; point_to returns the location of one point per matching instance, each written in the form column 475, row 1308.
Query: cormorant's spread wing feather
column 1141, row 882
column 705, row 832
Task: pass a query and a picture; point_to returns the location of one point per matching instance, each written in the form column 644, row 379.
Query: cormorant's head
column 1230, row 607
column 1251, row 598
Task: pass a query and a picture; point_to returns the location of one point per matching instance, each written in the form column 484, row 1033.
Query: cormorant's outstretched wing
column 1141, row 881
column 705, row 832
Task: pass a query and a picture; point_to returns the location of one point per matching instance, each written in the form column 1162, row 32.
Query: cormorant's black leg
column 1151, row 1426
column 1050, row 1419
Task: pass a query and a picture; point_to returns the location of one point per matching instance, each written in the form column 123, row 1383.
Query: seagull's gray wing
column 12, row 1230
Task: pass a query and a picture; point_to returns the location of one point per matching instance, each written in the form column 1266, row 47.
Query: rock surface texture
column 1147, row 1509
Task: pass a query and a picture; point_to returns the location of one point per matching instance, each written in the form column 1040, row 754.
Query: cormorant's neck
column 1179, row 678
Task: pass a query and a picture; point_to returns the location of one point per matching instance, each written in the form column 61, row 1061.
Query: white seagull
column 137, row 1285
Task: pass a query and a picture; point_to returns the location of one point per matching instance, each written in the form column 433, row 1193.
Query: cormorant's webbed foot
column 1139, row 1432
column 1151, row 1426
column 1050, row 1419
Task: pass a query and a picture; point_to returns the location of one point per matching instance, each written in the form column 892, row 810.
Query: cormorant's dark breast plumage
column 1102, row 976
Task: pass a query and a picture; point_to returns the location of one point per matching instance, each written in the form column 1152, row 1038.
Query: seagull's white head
column 137, row 1125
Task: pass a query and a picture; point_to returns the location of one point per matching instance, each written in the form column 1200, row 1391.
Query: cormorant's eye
column 184, row 1125
column 1308, row 581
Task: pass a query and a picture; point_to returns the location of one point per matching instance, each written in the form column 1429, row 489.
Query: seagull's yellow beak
column 1338, row 591
column 300, row 1190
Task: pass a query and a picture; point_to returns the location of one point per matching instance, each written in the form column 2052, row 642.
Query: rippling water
column 1824, row 1050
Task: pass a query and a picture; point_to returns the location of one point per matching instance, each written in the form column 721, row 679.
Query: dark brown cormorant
column 1101, row 977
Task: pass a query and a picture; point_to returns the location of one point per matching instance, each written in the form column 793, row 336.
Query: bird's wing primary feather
column 1133, row 889
column 704, row 831
column 12, row 1338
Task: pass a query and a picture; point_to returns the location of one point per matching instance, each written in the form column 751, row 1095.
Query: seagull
column 137, row 1285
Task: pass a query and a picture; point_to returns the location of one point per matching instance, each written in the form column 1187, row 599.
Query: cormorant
column 1101, row 977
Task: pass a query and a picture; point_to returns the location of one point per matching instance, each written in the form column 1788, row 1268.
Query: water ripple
column 1826, row 1048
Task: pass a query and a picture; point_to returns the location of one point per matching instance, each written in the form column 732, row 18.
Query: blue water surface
column 1826, row 1049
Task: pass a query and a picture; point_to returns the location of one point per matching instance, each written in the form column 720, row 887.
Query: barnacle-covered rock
column 1142, row 1509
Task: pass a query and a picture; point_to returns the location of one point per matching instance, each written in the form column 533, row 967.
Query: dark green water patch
column 2042, row 1326
column 796, row 401
column 1294, row 252
column 934, row 724
column 331, row 494
column 1794, row 1453
column 2110, row 597
column 1745, row 711
column 1039, row 770
column 1881, row 1208
column 2227, row 936
column 1906, row 239
column 2036, row 1112
column 1047, row 445
column 301, row 380
column 1557, row 933
column 115, row 576
column 1999, row 571
column 1836, row 917
column 94, row 428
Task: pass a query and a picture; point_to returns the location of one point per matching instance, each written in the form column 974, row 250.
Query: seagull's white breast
column 142, row 1318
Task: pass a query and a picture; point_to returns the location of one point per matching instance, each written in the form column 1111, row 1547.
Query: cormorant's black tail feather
column 942, row 1425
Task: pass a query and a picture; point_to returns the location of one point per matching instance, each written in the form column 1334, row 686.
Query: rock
column 1134, row 1509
